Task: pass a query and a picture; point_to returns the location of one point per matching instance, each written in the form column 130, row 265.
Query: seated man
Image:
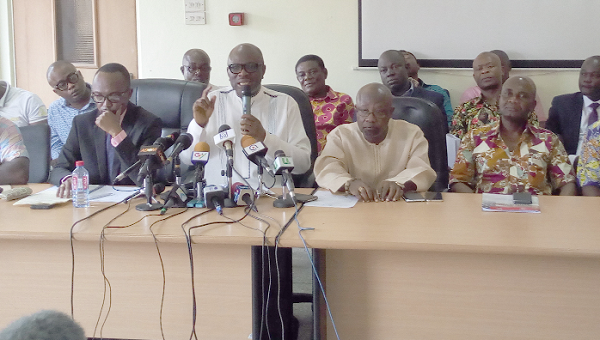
column 76, row 99
column 482, row 110
column 392, row 69
column 475, row 91
column 329, row 107
column 21, row 107
column 196, row 66
column 571, row 114
column 413, row 67
column 275, row 121
column 511, row 155
column 109, row 138
column 14, row 161
column 377, row 158
column 588, row 171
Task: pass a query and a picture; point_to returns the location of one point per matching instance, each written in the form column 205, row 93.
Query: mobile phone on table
column 433, row 196
column 42, row 206
column 413, row 196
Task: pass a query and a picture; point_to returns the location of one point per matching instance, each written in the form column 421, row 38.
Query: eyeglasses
column 72, row 78
column 249, row 67
column 365, row 113
column 113, row 98
column 193, row 70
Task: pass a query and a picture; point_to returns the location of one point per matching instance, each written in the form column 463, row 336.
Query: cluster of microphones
column 197, row 193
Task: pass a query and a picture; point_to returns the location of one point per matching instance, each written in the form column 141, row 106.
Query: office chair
column 432, row 122
column 37, row 141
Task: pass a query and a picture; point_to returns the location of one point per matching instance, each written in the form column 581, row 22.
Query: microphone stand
column 229, row 202
column 285, row 200
column 260, row 191
column 147, row 191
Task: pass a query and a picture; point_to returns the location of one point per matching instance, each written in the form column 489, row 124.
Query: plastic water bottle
column 80, row 186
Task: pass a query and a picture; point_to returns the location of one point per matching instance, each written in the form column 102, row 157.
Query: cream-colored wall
column 6, row 42
column 285, row 30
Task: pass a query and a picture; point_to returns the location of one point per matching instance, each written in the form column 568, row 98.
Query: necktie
column 112, row 163
column 594, row 114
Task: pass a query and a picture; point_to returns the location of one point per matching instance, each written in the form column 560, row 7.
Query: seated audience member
column 275, row 121
column 21, row 107
column 196, row 66
column 109, row 138
column 392, row 69
column 329, row 107
column 413, row 67
column 588, row 171
column 475, row 91
column 377, row 158
column 571, row 114
column 76, row 99
column 14, row 161
column 44, row 325
column 512, row 155
column 482, row 110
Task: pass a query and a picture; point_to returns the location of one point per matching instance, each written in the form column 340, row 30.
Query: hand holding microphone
column 251, row 126
column 204, row 107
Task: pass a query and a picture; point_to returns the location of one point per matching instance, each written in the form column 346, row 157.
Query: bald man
column 195, row 66
column 377, row 158
column 571, row 114
column 482, row 110
column 275, row 120
column 512, row 155
column 75, row 99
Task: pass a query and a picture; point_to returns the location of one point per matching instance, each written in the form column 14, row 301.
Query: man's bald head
column 392, row 69
column 504, row 63
column 589, row 78
column 517, row 99
column 246, row 66
column 487, row 71
column 68, row 83
column 373, row 111
column 196, row 66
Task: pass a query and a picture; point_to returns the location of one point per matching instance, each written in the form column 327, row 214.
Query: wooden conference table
column 35, row 269
column 450, row 271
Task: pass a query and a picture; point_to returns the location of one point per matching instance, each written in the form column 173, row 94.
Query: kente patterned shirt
column 11, row 141
column 539, row 164
column 475, row 113
column 334, row 109
column 588, row 171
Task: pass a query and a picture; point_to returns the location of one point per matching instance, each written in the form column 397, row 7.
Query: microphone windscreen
column 246, row 90
column 202, row 147
column 224, row 127
column 46, row 324
column 185, row 139
column 158, row 188
column 279, row 153
column 247, row 141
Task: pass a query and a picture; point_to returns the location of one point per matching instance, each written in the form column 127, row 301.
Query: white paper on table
column 328, row 200
column 111, row 194
column 47, row 196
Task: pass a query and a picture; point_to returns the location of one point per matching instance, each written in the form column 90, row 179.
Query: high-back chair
column 428, row 117
column 37, row 141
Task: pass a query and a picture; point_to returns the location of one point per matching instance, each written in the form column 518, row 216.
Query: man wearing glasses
column 196, row 66
column 76, row 99
column 275, row 120
column 376, row 158
column 109, row 138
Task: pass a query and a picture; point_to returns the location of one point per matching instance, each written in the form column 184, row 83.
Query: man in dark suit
column 571, row 114
column 392, row 69
column 107, row 139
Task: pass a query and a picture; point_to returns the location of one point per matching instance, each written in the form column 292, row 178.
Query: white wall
column 285, row 30
column 6, row 42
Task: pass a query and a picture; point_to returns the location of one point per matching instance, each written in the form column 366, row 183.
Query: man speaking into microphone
column 274, row 120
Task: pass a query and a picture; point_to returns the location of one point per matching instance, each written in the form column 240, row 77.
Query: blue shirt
column 447, row 104
column 60, row 118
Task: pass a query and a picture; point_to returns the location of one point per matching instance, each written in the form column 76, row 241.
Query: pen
column 97, row 188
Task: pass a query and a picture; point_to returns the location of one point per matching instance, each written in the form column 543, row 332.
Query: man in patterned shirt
column 14, row 161
column 512, row 155
column 588, row 171
column 76, row 98
column 482, row 110
column 329, row 107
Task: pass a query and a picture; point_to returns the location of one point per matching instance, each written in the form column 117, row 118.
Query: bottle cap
column 78, row 163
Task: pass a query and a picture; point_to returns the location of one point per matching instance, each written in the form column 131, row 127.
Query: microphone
column 201, row 154
column 182, row 143
column 153, row 156
column 247, row 99
column 225, row 139
column 256, row 151
column 283, row 165
column 242, row 194
column 214, row 197
column 165, row 142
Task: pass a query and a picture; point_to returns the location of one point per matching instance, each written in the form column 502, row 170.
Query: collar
column 409, row 92
column 331, row 95
column 586, row 101
column 494, row 129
